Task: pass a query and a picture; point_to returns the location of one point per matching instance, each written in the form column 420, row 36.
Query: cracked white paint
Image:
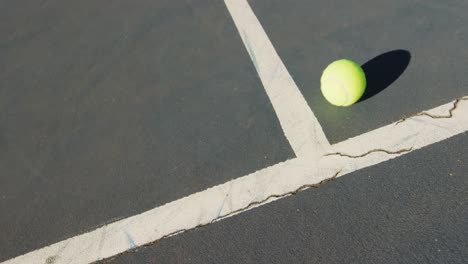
column 234, row 196
column 311, row 167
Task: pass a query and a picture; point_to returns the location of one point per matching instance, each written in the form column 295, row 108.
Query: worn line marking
column 255, row 189
column 448, row 115
column 317, row 162
column 297, row 120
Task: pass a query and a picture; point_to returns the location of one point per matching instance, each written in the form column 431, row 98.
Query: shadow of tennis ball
column 383, row 70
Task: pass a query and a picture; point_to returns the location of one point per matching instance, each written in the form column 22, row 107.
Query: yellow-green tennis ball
column 343, row 82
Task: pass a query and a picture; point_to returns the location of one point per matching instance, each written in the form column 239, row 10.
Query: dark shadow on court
column 383, row 70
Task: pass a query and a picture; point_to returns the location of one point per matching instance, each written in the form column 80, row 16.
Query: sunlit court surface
column 196, row 132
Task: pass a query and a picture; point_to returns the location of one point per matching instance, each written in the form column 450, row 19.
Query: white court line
column 214, row 203
column 234, row 196
column 300, row 126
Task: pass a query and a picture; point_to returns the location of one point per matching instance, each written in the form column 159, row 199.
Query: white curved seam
column 340, row 84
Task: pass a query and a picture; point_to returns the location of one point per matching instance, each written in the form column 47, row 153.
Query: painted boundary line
column 313, row 165
column 299, row 124
column 245, row 192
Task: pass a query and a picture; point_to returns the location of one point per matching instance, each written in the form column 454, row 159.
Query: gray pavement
column 111, row 108
column 413, row 209
column 308, row 35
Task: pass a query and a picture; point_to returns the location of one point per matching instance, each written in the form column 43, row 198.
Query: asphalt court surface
column 411, row 209
column 104, row 117
column 308, row 35
column 111, row 108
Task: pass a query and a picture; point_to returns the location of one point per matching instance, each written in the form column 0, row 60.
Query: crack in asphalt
column 254, row 203
column 369, row 152
column 294, row 192
column 250, row 205
column 450, row 114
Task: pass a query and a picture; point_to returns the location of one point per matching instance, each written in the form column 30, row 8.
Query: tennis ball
column 343, row 82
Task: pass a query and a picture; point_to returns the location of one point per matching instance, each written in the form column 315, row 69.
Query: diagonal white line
column 412, row 134
column 240, row 194
column 312, row 166
column 299, row 123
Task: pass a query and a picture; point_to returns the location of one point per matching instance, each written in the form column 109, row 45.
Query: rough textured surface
column 235, row 196
column 409, row 210
column 110, row 108
column 308, row 35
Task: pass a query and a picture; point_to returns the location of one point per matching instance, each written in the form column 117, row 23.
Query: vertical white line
column 299, row 124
